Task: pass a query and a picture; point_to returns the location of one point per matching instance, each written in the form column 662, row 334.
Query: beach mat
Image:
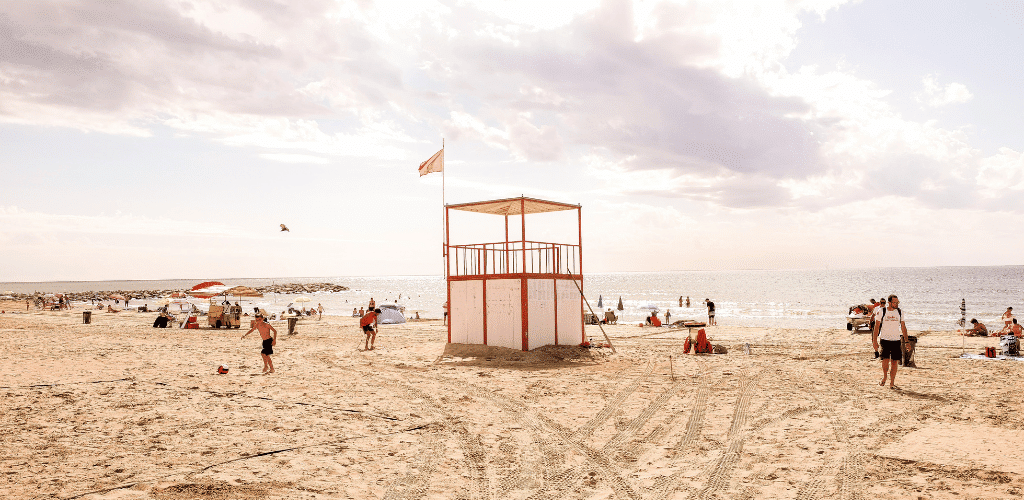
column 997, row 358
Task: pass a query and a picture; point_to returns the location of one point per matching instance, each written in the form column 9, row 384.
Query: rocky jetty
column 289, row 288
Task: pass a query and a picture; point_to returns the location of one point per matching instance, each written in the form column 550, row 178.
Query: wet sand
column 117, row 409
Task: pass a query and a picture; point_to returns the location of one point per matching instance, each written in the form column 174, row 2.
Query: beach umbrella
column 620, row 304
column 117, row 296
column 302, row 299
column 599, row 306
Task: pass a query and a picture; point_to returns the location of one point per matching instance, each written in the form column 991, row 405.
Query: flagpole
column 444, row 218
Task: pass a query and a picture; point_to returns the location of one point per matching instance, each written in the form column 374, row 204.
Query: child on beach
column 268, row 342
column 369, row 325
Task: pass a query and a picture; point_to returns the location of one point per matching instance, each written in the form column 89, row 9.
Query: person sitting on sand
column 268, row 342
column 1015, row 328
column 355, row 313
column 112, row 310
column 1007, row 321
column 978, row 330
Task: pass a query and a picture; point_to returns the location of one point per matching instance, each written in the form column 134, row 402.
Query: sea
column 930, row 297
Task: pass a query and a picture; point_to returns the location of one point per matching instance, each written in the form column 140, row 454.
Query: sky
column 151, row 139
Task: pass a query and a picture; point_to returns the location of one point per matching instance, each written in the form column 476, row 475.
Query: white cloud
column 935, row 95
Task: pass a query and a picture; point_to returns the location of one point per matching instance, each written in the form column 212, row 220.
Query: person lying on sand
column 112, row 310
column 978, row 330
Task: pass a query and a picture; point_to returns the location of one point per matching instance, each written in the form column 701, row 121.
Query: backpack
column 1010, row 345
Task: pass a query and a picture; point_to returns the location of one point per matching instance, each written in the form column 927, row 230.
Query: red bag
column 990, row 352
column 686, row 345
column 702, row 346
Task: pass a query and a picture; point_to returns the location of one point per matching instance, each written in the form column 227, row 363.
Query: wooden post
column 524, row 302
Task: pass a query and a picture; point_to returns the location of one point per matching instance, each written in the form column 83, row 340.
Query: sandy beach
column 117, row 409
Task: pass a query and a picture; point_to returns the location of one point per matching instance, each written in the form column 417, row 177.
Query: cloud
column 935, row 95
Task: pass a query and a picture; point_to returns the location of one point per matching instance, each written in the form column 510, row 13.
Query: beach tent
column 390, row 315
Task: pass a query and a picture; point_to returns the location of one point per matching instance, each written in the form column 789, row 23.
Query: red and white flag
column 434, row 164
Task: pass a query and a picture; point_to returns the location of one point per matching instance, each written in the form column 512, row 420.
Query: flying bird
column 285, row 228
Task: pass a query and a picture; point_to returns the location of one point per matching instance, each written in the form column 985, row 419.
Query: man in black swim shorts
column 369, row 324
column 268, row 342
column 888, row 330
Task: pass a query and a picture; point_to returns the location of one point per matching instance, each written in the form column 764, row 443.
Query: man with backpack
column 889, row 329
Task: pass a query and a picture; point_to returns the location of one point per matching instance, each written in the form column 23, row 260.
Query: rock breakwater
column 107, row 295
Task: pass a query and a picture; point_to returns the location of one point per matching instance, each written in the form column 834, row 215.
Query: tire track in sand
column 722, row 471
column 590, row 426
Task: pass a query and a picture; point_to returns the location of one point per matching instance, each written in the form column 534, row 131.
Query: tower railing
column 514, row 257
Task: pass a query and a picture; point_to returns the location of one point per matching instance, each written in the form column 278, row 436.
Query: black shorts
column 268, row 346
column 368, row 329
column 891, row 349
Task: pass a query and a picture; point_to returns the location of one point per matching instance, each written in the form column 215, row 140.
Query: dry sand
column 117, row 409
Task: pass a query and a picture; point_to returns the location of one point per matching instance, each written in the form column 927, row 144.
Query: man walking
column 889, row 329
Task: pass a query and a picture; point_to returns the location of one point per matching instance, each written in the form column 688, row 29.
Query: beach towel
column 997, row 358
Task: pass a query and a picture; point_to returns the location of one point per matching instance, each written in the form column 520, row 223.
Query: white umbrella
column 302, row 299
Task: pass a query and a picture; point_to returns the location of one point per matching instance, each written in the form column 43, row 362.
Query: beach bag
column 990, row 352
column 1010, row 345
column 702, row 346
column 720, row 349
column 686, row 345
column 908, row 351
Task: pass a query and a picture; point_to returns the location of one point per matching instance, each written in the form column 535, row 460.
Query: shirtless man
column 369, row 326
column 1015, row 328
column 979, row 329
column 268, row 342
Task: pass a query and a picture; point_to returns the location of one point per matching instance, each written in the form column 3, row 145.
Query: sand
column 117, row 409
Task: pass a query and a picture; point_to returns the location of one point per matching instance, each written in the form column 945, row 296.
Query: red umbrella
column 207, row 284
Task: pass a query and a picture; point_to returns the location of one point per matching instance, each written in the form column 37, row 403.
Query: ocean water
column 929, row 296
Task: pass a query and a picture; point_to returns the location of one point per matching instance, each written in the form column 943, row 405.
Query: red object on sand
column 702, row 346
column 686, row 345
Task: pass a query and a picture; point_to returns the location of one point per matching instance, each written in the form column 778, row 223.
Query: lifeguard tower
column 518, row 294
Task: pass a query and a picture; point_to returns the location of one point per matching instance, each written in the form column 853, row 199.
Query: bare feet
column 882, row 382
